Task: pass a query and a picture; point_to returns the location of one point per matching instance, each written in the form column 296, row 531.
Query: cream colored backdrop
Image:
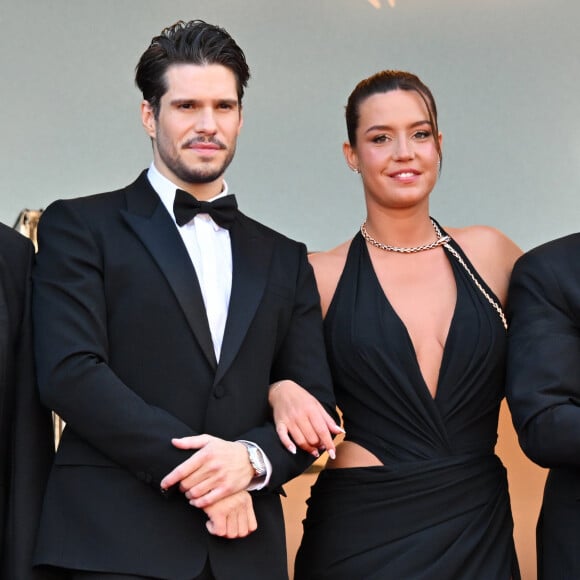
column 505, row 76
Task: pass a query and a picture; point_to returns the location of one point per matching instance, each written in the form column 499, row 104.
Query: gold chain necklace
column 441, row 239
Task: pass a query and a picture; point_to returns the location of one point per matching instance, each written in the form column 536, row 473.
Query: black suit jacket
column 125, row 356
column 26, row 439
column 543, row 391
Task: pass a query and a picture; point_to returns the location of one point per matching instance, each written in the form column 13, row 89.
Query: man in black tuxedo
column 161, row 320
column 543, row 391
column 26, row 437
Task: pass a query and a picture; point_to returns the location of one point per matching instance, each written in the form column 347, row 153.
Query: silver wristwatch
column 256, row 459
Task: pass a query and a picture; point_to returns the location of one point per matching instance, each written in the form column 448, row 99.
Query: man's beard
column 199, row 174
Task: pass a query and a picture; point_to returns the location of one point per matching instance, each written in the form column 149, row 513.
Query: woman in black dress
column 416, row 339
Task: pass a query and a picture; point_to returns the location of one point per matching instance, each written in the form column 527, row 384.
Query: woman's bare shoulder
column 330, row 258
column 328, row 267
column 492, row 253
column 484, row 240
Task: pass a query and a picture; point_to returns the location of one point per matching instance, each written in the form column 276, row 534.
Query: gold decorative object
column 27, row 222
column 377, row 3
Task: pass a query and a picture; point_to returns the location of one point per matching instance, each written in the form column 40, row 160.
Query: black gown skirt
column 438, row 509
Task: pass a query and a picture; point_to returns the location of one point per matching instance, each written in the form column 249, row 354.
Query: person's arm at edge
column 543, row 370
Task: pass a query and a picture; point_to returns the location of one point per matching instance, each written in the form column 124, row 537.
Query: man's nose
column 205, row 122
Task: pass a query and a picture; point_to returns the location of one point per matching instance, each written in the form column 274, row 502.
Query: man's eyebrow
column 185, row 100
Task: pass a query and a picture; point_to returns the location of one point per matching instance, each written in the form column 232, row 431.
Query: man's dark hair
column 194, row 42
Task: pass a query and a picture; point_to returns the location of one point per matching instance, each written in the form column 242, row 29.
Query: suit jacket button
column 144, row 477
column 219, row 391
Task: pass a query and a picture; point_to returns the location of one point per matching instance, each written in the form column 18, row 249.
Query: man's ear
column 148, row 118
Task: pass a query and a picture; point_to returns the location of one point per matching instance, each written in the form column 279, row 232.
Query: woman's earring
column 355, row 169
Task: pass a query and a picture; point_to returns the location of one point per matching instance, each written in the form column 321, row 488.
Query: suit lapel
column 149, row 219
column 250, row 257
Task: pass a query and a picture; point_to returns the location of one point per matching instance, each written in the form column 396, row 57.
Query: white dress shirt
column 210, row 250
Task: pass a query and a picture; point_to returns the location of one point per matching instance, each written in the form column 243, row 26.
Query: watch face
column 257, row 461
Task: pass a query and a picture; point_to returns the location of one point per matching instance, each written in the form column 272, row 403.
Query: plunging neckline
column 413, row 351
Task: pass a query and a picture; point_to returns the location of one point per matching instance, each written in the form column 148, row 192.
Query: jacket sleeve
column 301, row 357
column 543, row 374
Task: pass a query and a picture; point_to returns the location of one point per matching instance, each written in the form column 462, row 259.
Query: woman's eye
column 422, row 134
column 380, row 139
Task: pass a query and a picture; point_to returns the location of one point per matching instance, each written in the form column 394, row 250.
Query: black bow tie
column 222, row 210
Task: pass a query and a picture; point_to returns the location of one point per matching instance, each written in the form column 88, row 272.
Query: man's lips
column 204, row 145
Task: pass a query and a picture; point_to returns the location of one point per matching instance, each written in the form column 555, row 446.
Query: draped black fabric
column 439, row 507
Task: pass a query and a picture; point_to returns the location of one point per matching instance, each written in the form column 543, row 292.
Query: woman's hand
column 301, row 420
